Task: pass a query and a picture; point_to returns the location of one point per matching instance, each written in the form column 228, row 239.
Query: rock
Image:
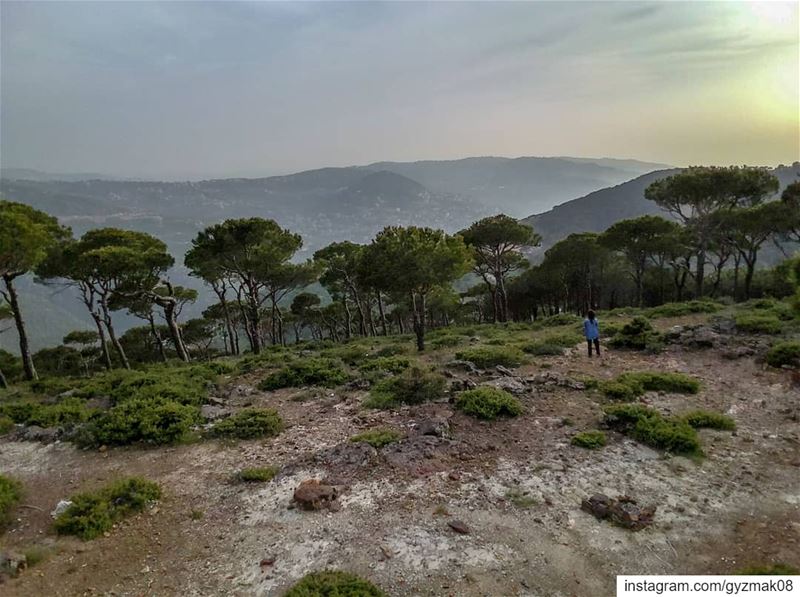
column 724, row 326
column 212, row 412
column 12, row 562
column 622, row 511
column 60, row 508
column 458, row 526
column 512, row 385
column 739, row 352
column 99, row 402
column 215, row 400
column 551, row 379
column 438, row 426
column 312, row 494
column 504, row 371
column 34, row 433
column 358, row 384
column 346, row 457
column 66, row 394
column 460, row 365
column 460, row 385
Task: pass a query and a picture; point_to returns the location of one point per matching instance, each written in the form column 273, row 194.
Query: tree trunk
column 3, row 382
column 736, row 263
column 227, row 315
column 382, row 314
column 112, row 335
column 349, row 327
column 750, row 262
column 699, row 277
column 174, row 330
column 157, row 337
column 419, row 320
column 24, row 347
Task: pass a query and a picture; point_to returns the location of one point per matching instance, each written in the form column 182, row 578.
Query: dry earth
column 739, row 506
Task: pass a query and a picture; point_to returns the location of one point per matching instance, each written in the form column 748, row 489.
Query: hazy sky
column 187, row 89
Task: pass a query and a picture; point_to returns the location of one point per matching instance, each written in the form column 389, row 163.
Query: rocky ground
column 459, row 507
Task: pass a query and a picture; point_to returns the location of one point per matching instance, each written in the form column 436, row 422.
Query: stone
column 312, row 494
column 212, row 412
column 512, row 385
column 460, row 365
column 13, row 562
column 724, row 326
column 437, row 426
column 504, row 371
column 60, row 508
column 553, row 379
column 34, row 433
column 458, row 526
column 623, row 511
column 460, row 385
column 346, row 457
column 358, row 384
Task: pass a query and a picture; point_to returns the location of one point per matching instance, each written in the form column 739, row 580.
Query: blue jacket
column 591, row 329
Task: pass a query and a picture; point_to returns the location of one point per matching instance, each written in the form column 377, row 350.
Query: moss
column 708, row 419
column 333, row 583
column 10, row 494
column 488, row 403
column 784, row 354
column 778, row 569
column 250, row 423
column 258, row 474
column 489, row 356
column 378, row 438
column 590, row 440
column 415, row 385
column 306, row 372
column 92, row 514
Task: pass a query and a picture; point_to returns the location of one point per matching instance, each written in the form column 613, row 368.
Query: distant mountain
column 598, row 210
column 30, row 174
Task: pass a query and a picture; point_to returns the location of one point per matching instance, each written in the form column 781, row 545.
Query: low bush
column 619, row 391
column 784, row 354
column 637, row 334
column 391, row 364
column 92, row 514
column 489, row 356
column 649, row 427
column 415, row 385
column 447, row 341
column 6, row 425
column 258, row 475
column 591, row 440
column 657, row 381
column 249, row 423
column 10, row 494
column 333, row 583
column 562, row 339
column 306, row 372
column 556, row 320
column 67, row 413
column 146, row 420
column 488, row 403
column 685, row 308
column 709, row 419
column 350, row 354
column 756, row 323
column 377, row 438
column 540, row 349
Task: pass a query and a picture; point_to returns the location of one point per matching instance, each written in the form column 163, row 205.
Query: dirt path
column 741, row 505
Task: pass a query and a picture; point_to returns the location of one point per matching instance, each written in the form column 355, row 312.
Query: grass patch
column 377, row 438
column 306, row 372
column 258, row 474
column 333, row 583
column 490, row 356
column 390, row 364
column 709, row 419
column 249, row 423
column 92, row 514
column 627, row 387
column 591, row 440
column 778, row 569
column 540, row 349
column 520, row 499
column 10, row 494
column 681, row 309
column 415, row 385
column 6, row 425
column 784, row 354
column 649, row 427
column 488, row 403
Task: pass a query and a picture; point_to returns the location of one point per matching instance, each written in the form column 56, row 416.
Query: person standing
column 591, row 330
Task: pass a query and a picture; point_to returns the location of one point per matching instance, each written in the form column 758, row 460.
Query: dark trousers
column 596, row 346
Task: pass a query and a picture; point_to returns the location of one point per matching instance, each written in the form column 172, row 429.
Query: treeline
column 401, row 282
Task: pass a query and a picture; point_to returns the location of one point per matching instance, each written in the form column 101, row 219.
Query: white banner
column 708, row 586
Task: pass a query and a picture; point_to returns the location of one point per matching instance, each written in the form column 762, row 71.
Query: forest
column 406, row 280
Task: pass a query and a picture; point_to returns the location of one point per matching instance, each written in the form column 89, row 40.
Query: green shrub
column 637, row 334
column 413, row 386
column 170, row 386
column 391, row 350
column 258, row 475
column 784, row 354
column 649, row 427
column 447, row 341
column 656, row 381
column 540, row 349
column 6, row 425
column 708, row 419
column 378, row 438
column 306, row 372
column 619, row 391
column 391, row 364
column 250, row 423
column 333, row 583
column 350, row 354
column 10, row 494
column 488, row 403
column 489, row 356
column 92, row 514
column 151, row 420
column 65, row 413
column 680, row 309
column 590, row 440
column 562, row 339
column 779, row 569
column 756, row 323
column 556, row 320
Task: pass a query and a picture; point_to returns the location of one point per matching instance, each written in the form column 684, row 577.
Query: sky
column 215, row 89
